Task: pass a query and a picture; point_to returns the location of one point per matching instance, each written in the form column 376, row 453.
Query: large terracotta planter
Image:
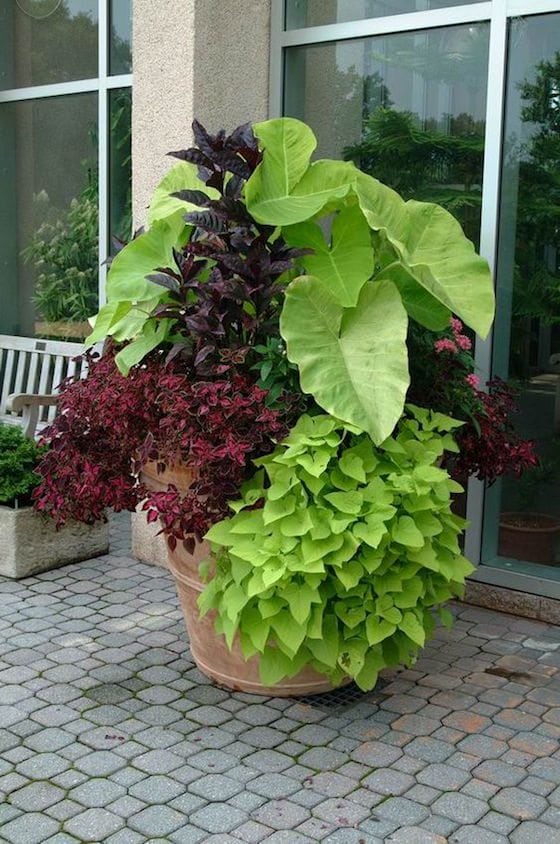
column 209, row 650
column 534, row 537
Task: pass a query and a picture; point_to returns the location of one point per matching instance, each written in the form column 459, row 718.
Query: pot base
column 228, row 668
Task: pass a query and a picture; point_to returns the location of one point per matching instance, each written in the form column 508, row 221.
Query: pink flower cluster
column 459, row 341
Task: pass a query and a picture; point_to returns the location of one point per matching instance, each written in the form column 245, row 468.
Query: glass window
column 49, row 216
column 120, row 54
column 407, row 108
column 120, row 164
column 302, row 13
column 522, row 517
column 47, row 41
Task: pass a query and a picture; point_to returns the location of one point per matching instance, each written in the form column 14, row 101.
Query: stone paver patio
column 109, row 734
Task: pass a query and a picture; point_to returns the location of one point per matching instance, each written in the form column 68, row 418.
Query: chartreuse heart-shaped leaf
column 285, row 188
column 353, row 361
column 182, row 176
column 346, row 263
column 433, row 250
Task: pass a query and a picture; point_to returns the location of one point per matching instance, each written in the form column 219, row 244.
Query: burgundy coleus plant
column 217, row 428
column 109, row 425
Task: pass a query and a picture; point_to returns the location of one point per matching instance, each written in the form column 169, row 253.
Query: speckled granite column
column 193, row 58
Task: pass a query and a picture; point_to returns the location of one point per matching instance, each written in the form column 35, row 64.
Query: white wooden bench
column 30, row 373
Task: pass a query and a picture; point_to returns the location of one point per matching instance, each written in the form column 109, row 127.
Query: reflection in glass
column 120, row 164
column 522, row 519
column 44, row 41
column 302, row 13
column 48, row 216
column 409, row 109
column 120, row 54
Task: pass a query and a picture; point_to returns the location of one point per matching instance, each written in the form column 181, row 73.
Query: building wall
column 193, row 58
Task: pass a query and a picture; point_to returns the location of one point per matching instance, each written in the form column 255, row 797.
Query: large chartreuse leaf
column 354, row 360
column 432, row 248
column 130, row 297
column 344, row 265
column 285, row 188
column 152, row 335
column 127, row 276
column 420, row 305
column 182, row 176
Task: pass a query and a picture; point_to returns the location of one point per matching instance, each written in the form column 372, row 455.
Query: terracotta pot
column 179, row 475
column 210, row 652
column 533, row 537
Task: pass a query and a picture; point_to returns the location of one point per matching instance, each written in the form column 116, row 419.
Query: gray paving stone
column 333, row 784
column 97, row 793
column 43, row 766
column 156, row 789
column 218, row 818
column 216, row 787
column 37, row 796
column 64, row 810
column 469, row 834
column 281, row 814
column 444, row 777
column 100, row 763
column 341, row 812
column 156, row 821
column 29, row 828
column 94, row 825
column 252, row 832
column 415, row 835
column 518, row 803
column 531, row 831
column 213, row 761
column 460, row 808
column 158, row 761
column 273, row 786
column 402, row 811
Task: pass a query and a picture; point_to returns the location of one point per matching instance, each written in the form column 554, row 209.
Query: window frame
column 497, row 13
column 100, row 85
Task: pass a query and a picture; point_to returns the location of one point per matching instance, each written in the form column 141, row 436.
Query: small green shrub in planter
column 29, row 542
column 354, row 548
column 18, row 458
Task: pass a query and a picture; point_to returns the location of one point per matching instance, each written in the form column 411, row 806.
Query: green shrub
column 339, row 550
column 18, row 458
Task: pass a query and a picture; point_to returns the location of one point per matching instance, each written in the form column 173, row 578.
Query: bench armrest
column 19, row 401
column 29, row 405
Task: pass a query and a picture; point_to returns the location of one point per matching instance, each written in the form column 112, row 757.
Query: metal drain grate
column 344, row 698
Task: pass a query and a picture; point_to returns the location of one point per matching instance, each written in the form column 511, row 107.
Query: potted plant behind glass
column 268, row 305
column 30, row 542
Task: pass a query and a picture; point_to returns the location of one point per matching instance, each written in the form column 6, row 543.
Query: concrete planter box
column 31, row 544
column 147, row 546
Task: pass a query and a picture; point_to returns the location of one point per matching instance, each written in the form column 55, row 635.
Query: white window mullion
column 409, row 22
column 103, row 151
column 56, row 89
column 495, row 109
column 276, row 69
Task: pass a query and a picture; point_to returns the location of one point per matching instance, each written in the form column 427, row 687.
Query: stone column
column 191, row 58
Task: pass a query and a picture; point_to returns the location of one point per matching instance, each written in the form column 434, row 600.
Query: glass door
column 521, row 531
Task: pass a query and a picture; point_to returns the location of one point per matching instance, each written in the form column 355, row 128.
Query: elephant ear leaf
column 354, row 360
column 182, row 176
column 285, row 188
column 344, row 265
column 434, row 251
